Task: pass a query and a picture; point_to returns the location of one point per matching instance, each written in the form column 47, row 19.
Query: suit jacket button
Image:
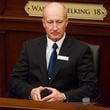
column 49, row 78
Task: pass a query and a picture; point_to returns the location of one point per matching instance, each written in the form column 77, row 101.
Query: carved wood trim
column 81, row 27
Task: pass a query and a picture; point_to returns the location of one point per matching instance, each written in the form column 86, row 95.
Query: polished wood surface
column 29, row 104
column 16, row 27
column 37, row 105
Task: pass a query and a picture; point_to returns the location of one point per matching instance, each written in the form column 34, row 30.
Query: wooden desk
column 37, row 105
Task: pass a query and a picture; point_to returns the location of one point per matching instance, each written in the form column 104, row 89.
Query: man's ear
column 66, row 22
column 43, row 22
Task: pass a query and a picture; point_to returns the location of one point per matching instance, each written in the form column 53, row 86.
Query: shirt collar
column 59, row 42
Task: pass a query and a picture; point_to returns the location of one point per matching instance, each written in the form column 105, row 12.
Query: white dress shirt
column 49, row 48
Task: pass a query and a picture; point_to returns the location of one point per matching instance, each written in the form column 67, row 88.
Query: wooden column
column 2, row 64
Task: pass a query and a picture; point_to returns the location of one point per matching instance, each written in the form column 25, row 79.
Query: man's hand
column 54, row 96
column 36, row 93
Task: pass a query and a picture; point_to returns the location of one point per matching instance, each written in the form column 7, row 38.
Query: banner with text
column 75, row 10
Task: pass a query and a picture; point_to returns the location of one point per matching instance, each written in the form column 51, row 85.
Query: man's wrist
column 64, row 97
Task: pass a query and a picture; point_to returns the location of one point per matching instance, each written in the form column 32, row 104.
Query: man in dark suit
column 73, row 78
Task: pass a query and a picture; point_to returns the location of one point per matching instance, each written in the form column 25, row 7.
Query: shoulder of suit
column 77, row 41
column 35, row 40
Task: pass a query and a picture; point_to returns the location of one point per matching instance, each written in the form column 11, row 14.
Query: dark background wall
column 16, row 27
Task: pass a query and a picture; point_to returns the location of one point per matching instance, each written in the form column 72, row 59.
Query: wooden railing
column 38, row 105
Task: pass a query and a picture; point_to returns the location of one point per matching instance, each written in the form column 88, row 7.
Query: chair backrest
column 96, row 58
column 96, row 54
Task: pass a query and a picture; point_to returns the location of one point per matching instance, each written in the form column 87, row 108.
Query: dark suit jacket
column 75, row 77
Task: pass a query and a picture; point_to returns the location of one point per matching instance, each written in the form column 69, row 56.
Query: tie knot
column 55, row 46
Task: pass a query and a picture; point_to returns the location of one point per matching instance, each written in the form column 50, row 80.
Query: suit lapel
column 43, row 64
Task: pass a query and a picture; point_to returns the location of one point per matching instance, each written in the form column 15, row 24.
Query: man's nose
column 55, row 26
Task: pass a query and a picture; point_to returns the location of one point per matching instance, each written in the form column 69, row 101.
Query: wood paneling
column 2, row 6
column 16, row 27
column 2, row 64
column 16, row 7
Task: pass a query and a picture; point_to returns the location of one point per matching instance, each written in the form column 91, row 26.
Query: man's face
column 55, row 23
